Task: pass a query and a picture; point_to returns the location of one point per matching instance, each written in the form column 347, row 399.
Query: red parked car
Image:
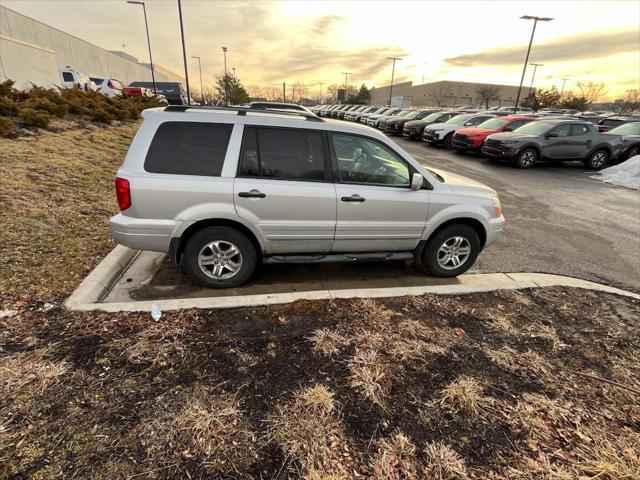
column 470, row 139
column 137, row 91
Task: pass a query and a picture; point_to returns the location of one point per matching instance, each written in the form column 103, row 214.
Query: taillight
column 123, row 193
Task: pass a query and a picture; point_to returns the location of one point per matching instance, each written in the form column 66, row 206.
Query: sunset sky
column 314, row 41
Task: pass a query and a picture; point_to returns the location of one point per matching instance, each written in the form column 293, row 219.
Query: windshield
column 413, row 114
column 533, row 128
column 458, row 120
column 403, row 114
column 493, row 124
column 632, row 128
column 391, row 112
column 432, row 117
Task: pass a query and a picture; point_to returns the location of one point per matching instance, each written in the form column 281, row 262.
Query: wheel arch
column 178, row 243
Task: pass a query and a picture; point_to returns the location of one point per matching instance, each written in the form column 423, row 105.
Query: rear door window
column 189, row 148
column 285, row 154
column 577, row 130
column 67, row 76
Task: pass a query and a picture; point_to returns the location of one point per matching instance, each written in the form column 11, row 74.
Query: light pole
column 200, row 70
column 564, row 80
column 393, row 70
column 146, row 26
column 321, row 83
column 526, row 60
column 535, row 67
column 226, row 84
column 346, row 87
column 184, row 53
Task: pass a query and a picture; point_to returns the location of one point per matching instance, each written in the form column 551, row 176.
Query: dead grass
column 200, row 425
column 309, row 431
column 443, row 463
column 611, row 458
column 328, row 341
column 371, row 376
column 25, row 376
column 396, row 459
column 527, row 363
column 465, row 395
column 57, row 197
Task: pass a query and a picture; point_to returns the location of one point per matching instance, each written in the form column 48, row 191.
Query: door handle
column 252, row 194
column 353, row 198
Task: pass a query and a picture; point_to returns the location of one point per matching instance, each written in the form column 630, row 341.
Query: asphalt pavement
column 558, row 219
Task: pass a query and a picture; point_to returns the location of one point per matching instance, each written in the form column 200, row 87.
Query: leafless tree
column 592, row 92
column 629, row 104
column 332, row 93
column 487, row 93
column 439, row 96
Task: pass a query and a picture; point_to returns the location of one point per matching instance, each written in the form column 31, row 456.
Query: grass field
column 532, row 384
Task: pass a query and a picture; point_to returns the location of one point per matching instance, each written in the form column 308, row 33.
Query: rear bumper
column 142, row 234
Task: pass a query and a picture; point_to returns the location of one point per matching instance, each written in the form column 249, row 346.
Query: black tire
column 431, row 251
column 198, row 242
column 596, row 160
column 527, row 158
column 446, row 142
column 633, row 151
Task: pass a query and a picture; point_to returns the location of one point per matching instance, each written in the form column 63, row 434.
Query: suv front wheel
column 219, row 257
column 451, row 251
column 597, row 160
column 527, row 158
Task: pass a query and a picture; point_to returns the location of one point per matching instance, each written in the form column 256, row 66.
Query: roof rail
column 243, row 110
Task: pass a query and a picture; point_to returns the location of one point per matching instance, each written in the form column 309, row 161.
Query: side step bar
column 340, row 257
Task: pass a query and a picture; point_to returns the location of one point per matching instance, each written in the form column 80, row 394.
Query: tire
column 597, row 160
column 446, row 142
column 215, row 241
column 434, row 258
column 633, row 151
column 527, row 158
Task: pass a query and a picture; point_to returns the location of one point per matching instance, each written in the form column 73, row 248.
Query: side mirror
column 551, row 135
column 508, row 129
column 417, row 181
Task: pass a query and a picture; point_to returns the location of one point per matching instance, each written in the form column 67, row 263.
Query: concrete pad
column 127, row 280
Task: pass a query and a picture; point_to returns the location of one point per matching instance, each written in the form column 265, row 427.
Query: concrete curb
column 98, row 283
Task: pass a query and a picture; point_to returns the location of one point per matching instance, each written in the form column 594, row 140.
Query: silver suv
column 221, row 189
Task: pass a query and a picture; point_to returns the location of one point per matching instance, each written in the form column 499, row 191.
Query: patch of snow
column 7, row 313
column 625, row 174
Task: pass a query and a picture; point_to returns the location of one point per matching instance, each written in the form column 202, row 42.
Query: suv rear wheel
column 451, row 251
column 219, row 257
column 597, row 160
column 527, row 158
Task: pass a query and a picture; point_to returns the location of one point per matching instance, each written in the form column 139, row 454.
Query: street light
column 393, row 69
column 346, row 87
column 526, row 60
column 535, row 67
column 564, row 80
column 184, row 53
column 146, row 26
column 200, row 69
column 226, row 85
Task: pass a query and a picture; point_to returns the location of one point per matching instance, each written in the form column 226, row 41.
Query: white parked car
column 442, row 133
column 108, row 86
column 72, row 78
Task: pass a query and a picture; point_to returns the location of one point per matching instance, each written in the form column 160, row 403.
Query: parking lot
column 591, row 226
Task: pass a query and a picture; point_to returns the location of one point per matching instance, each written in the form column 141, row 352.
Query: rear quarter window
column 188, row 148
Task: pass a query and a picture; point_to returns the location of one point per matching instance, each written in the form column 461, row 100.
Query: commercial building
column 447, row 94
column 32, row 52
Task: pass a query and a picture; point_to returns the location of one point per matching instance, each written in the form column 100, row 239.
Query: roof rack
column 243, row 110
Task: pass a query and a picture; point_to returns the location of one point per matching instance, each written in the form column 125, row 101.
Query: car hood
column 370, row 117
column 475, row 131
column 512, row 136
column 461, row 184
column 417, row 123
column 447, row 126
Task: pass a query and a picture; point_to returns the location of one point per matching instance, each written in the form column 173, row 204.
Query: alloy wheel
column 453, row 253
column 598, row 159
column 220, row 259
column 527, row 158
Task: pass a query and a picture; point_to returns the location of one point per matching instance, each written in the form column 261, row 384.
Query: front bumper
column 431, row 137
column 142, row 234
column 494, row 230
column 505, row 152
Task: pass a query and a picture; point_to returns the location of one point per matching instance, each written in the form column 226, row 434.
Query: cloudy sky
column 314, row 41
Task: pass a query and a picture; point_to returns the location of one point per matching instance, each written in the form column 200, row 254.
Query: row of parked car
column 523, row 137
column 170, row 93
